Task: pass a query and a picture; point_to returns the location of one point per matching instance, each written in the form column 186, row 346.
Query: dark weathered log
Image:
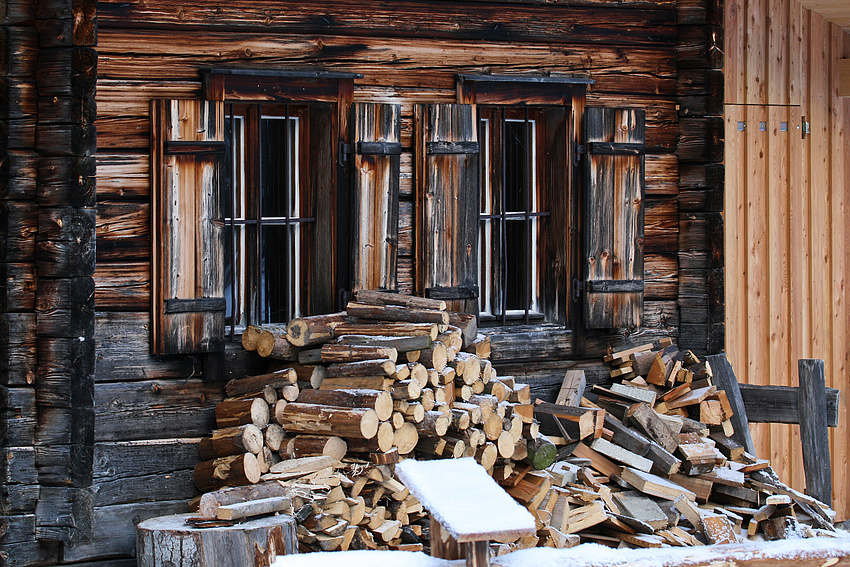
column 233, row 470
column 318, row 329
column 328, row 420
column 79, row 29
column 18, row 97
column 65, row 246
column 231, row 413
column 18, row 350
column 68, row 181
column 65, row 308
column 19, row 56
column 379, row 401
column 67, row 71
column 64, row 514
column 246, row 438
column 401, row 344
column 255, row 384
column 18, row 226
column 724, row 377
column 18, row 425
column 65, row 465
column 814, row 433
column 18, row 174
column 19, row 292
column 65, row 375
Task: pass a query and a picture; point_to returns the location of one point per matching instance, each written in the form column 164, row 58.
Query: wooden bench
column 468, row 508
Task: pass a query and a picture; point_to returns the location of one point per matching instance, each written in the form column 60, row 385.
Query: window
column 266, row 206
column 251, row 201
column 527, row 245
column 510, row 219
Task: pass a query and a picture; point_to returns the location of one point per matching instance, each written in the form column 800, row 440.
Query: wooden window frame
column 521, row 92
column 266, row 87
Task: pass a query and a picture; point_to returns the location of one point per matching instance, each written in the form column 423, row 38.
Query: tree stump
column 168, row 542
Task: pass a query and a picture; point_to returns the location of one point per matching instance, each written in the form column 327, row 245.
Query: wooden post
column 814, row 432
column 724, row 378
column 443, row 545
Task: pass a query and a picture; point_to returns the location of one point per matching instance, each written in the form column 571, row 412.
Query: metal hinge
column 578, row 151
column 344, row 151
column 578, row 287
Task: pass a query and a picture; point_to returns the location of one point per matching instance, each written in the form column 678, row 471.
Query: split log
column 255, row 384
column 246, row 438
column 373, row 297
column 402, row 344
column 396, row 313
column 381, row 367
column 352, row 353
column 541, row 452
column 377, row 400
column 388, row 329
column 328, row 420
column 230, row 413
column 435, row 423
column 250, row 336
column 315, row 445
column 434, row 357
column 318, row 329
column 233, row 470
column 468, row 325
column 260, row 507
column 211, row 501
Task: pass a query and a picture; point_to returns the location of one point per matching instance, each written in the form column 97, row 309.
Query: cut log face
column 318, row 329
column 246, row 438
column 234, row 470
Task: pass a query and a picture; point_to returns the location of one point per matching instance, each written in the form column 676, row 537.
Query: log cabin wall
column 151, row 411
column 787, row 223
column 47, row 259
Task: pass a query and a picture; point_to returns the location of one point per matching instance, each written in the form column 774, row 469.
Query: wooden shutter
column 377, row 159
column 613, row 217
column 187, row 139
column 447, row 194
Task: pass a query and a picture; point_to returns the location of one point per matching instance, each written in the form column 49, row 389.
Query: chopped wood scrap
column 240, row 510
column 641, row 508
column 655, row 485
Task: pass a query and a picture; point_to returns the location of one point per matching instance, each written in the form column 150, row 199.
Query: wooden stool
column 468, row 508
column 168, row 542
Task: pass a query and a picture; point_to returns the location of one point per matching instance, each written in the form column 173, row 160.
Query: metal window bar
column 258, row 243
column 528, row 189
column 503, row 252
column 231, row 248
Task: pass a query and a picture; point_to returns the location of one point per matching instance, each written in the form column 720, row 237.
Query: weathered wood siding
column 787, row 219
column 661, row 57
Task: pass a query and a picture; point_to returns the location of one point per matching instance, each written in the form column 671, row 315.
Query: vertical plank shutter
column 377, row 162
column 187, row 139
column 613, row 217
column 447, row 185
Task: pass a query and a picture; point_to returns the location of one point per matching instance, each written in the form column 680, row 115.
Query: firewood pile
column 647, row 461
column 392, row 376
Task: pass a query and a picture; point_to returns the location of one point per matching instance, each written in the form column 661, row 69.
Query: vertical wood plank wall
column 786, row 216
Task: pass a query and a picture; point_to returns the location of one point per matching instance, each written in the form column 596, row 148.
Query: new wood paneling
column 786, row 218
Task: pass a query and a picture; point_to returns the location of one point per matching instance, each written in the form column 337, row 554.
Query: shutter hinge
column 344, row 151
column 578, row 287
column 578, row 150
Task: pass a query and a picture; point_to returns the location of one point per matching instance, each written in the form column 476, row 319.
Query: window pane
column 517, row 160
column 279, row 153
column 516, row 265
column 278, row 274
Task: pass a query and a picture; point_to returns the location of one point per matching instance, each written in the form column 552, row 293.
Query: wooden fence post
column 814, row 432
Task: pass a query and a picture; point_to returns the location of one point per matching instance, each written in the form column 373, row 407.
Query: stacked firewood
column 392, row 376
column 661, row 470
column 646, row 461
